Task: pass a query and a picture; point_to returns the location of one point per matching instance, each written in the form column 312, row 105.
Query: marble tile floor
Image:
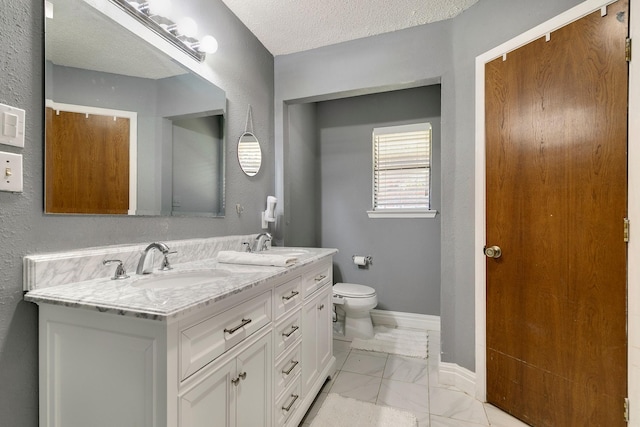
column 408, row 384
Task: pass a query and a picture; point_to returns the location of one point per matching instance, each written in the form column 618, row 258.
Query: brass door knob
column 493, row 251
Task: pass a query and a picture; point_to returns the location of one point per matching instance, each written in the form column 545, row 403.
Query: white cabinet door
column 316, row 337
column 254, row 368
column 212, row 402
column 238, row 394
column 309, row 344
column 324, row 329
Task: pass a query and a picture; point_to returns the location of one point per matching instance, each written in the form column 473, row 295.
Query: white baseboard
column 455, row 375
column 405, row 320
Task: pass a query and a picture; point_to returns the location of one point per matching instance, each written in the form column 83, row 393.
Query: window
column 402, row 171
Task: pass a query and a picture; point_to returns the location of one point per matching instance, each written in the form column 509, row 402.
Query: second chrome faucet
column 162, row 247
column 260, row 244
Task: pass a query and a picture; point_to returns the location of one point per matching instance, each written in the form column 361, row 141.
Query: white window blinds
column 401, row 167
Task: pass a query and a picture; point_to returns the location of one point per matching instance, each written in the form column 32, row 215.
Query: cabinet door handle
column 320, row 277
column 288, row 297
column 288, row 407
column 244, row 322
column 237, row 379
column 293, row 329
column 294, row 363
column 321, row 307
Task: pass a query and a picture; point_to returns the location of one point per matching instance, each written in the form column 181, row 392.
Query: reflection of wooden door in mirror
column 87, row 163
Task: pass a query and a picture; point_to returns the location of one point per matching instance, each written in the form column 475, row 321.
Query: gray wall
column 486, row 25
column 244, row 69
column 406, row 252
column 440, row 52
column 197, row 155
column 302, row 219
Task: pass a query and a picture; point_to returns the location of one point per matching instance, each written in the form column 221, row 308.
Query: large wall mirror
column 130, row 129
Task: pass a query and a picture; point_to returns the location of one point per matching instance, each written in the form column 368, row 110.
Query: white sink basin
column 178, row 280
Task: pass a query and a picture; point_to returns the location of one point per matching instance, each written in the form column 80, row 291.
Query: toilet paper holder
column 361, row 260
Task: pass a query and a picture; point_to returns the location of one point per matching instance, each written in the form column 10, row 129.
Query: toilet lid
column 352, row 290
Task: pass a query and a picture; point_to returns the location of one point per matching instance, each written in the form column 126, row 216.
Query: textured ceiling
column 79, row 36
column 287, row 26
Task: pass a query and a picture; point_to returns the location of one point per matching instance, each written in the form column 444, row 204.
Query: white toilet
column 356, row 301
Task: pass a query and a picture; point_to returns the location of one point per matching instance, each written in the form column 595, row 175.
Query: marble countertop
column 123, row 297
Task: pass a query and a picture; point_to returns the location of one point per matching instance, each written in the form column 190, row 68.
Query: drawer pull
column 293, row 329
column 243, row 375
column 320, row 277
column 321, row 307
column 235, row 381
column 244, row 322
column 288, row 297
column 294, row 363
column 288, row 407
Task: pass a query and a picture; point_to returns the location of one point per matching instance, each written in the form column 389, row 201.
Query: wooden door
column 556, row 140
column 87, row 163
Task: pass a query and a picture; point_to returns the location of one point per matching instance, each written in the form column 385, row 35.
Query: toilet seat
column 352, row 290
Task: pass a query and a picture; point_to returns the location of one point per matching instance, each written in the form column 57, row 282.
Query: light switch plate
column 11, row 172
column 12, row 125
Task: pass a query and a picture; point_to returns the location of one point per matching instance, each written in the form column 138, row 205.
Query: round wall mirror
column 249, row 154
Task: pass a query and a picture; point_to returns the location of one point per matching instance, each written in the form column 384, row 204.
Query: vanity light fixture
column 182, row 37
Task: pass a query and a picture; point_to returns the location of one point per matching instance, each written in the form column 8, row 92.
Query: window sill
column 403, row 214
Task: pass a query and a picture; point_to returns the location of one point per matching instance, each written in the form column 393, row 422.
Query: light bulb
column 208, row 44
column 160, row 7
column 188, row 27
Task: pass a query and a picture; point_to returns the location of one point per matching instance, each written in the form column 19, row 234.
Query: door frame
column 633, row 272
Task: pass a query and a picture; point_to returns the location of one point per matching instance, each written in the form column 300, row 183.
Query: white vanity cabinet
column 287, row 344
column 317, row 344
column 235, row 390
column 314, row 354
column 232, row 393
column 254, row 358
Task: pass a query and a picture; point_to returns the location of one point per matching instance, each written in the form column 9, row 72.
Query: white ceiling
column 288, row 26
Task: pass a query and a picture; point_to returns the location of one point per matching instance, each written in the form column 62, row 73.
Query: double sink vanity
column 206, row 343
column 203, row 344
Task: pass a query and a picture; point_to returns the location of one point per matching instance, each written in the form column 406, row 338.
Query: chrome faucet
column 143, row 258
column 261, row 242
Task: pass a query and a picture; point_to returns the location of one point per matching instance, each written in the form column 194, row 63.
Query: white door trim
column 633, row 277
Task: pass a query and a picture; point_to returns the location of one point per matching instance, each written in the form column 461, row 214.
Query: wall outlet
column 11, row 172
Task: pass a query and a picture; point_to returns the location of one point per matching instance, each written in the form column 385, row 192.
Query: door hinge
column 626, row 409
column 627, row 49
column 626, row 230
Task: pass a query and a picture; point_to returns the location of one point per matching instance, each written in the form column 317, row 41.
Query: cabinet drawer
column 317, row 278
column 287, row 369
column 203, row 342
column 287, row 296
column 288, row 403
column 287, row 332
